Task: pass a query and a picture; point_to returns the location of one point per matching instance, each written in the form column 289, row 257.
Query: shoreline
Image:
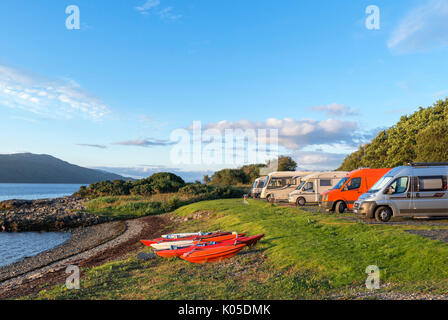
column 81, row 240
column 57, row 214
column 101, row 243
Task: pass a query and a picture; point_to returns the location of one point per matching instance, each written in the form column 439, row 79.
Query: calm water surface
column 16, row 246
column 33, row 191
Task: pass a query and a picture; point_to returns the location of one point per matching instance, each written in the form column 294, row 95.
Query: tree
column 421, row 136
column 432, row 143
column 206, row 179
column 228, row 177
column 286, row 163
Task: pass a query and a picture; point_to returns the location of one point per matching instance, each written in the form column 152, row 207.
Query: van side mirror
column 390, row 190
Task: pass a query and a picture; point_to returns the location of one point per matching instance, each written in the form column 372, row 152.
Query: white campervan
column 419, row 189
column 278, row 185
column 313, row 185
column 257, row 187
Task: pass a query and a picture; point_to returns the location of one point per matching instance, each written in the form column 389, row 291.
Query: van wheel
column 383, row 214
column 300, row 202
column 340, row 207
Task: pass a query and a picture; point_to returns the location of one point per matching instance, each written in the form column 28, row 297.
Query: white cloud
column 146, row 143
column 424, row 27
column 51, row 98
column 147, row 6
column 297, row 134
column 98, row 146
column 167, row 13
column 336, row 110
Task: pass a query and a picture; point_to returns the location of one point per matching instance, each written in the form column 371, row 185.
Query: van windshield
column 300, row 185
column 380, row 184
column 340, row 183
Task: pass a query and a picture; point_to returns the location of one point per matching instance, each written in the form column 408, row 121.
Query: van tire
column 340, row 207
column 300, row 202
column 383, row 214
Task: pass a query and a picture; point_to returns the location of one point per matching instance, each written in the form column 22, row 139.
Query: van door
column 399, row 193
column 430, row 196
column 352, row 190
column 308, row 190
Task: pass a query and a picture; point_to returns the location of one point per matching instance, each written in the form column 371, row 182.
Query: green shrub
column 161, row 182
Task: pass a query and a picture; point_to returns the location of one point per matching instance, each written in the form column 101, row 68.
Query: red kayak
column 251, row 241
column 212, row 254
column 158, row 240
column 176, row 252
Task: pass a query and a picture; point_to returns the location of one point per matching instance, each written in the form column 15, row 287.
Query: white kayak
column 168, row 245
column 183, row 235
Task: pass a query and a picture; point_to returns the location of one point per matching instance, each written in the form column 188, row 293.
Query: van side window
column 309, row 187
column 400, row 185
column 431, row 183
column 277, row 183
column 325, row 183
column 354, row 184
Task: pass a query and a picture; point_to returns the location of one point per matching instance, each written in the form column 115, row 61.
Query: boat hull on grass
column 194, row 237
column 213, row 254
column 177, row 252
column 186, row 243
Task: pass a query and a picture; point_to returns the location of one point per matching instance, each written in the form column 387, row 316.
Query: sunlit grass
column 303, row 255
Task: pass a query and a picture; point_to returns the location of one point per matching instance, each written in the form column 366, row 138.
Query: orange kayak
column 221, row 238
column 178, row 251
column 212, row 254
column 158, row 240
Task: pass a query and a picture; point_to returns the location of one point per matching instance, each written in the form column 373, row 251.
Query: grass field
column 303, row 255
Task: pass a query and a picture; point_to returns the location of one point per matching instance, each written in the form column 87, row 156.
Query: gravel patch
column 385, row 293
column 435, row 222
column 440, row 234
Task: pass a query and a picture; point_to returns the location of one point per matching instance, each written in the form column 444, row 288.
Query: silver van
column 255, row 192
column 313, row 185
column 419, row 189
column 278, row 185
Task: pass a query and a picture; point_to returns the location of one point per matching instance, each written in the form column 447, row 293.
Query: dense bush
column 125, row 207
column 422, row 137
column 247, row 174
column 161, row 182
column 209, row 192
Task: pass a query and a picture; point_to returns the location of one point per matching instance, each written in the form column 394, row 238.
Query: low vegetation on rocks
column 46, row 215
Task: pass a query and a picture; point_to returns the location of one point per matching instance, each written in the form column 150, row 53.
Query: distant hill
column 419, row 137
column 42, row 168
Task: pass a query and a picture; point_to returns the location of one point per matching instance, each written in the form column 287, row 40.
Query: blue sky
column 110, row 94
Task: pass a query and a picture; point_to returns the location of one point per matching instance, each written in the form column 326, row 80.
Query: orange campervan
column 348, row 190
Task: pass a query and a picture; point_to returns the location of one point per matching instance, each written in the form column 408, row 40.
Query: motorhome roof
column 418, row 170
column 326, row 174
column 428, row 164
column 364, row 169
column 290, row 173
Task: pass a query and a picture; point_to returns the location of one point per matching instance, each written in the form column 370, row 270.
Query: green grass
column 128, row 207
column 303, row 255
